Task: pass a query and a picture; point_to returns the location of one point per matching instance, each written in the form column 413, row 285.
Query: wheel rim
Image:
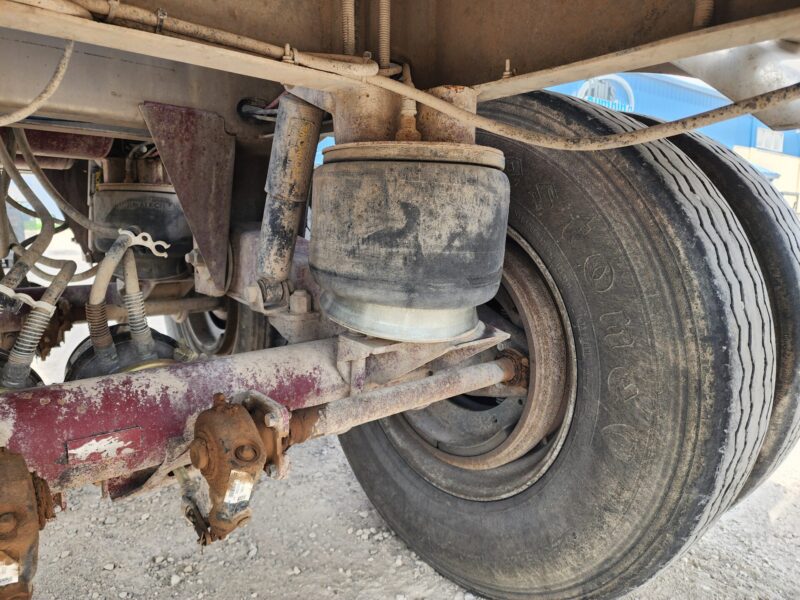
column 213, row 332
column 484, row 449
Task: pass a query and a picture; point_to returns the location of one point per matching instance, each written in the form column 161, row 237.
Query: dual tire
column 675, row 282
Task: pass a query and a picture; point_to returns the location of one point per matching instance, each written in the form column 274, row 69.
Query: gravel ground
column 315, row 535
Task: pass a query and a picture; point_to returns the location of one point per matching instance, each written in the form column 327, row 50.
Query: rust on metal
column 198, row 154
column 56, row 144
column 272, row 420
column 436, row 127
column 20, row 523
column 39, row 422
column 227, row 449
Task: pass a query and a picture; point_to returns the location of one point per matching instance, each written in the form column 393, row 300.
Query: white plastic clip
column 26, row 299
column 158, row 248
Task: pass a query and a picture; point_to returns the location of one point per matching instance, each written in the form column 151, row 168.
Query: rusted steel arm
column 336, row 418
column 121, row 425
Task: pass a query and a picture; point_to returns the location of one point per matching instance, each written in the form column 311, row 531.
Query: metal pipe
column 291, row 164
column 17, row 273
column 70, row 211
column 601, row 142
column 340, row 416
column 147, row 411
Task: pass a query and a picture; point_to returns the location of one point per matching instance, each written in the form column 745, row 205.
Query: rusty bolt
column 198, row 453
column 300, row 302
column 246, row 453
column 8, row 523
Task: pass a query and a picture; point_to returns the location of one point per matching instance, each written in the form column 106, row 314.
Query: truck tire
column 668, row 315
column 774, row 232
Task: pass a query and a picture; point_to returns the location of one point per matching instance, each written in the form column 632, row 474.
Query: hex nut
column 300, row 302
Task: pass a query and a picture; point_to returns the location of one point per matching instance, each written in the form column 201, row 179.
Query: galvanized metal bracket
column 198, row 154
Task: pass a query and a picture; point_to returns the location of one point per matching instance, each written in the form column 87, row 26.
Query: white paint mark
column 107, row 447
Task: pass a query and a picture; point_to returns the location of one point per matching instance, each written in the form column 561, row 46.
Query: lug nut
column 246, row 453
column 8, row 523
column 198, row 453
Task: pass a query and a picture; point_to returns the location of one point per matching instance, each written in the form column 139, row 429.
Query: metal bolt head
column 194, row 258
column 8, row 523
column 300, row 302
column 198, row 453
column 246, row 453
column 252, row 295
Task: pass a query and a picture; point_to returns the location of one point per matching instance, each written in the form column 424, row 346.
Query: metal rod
column 340, row 416
column 92, row 430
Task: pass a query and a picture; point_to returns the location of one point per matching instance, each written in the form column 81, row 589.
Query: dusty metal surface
column 436, row 127
column 19, row 528
column 228, row 451
column 67, row 145
column 105, row 87
column 198, row 154
column 750, row 70
column 291, row 163
column 40, row 423
column 545, row 353
column 455, row 152
column 633, row 56
column 343, row 415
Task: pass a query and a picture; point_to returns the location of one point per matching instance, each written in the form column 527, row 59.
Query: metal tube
column 136, row 418
column 291, row 164
column 76, row 296
column 338, row 417
column 92, row 430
